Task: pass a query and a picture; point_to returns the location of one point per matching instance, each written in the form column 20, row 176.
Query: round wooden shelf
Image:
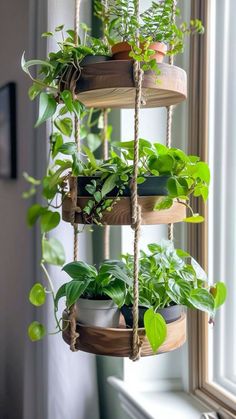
column 118, row 342
column 121, row 212
column 111, row 84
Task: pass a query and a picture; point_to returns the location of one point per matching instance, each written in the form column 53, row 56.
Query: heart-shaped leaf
column 36, row 331
column 37, row 295
column 155, row 327
column 47, row 107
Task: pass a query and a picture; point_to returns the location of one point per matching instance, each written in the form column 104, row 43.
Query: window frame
column 197, row 235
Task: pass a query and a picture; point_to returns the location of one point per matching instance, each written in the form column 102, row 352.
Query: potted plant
column 168, row 173
column 62, row 68
column 158, row 33
column 98, row 294
column 166, row 284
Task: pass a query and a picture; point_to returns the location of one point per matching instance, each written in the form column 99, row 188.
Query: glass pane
column 222, row 201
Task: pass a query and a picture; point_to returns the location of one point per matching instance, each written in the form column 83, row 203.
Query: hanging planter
column 104, row 194
column 147, row 191
column 166, row 284
column 118, row 342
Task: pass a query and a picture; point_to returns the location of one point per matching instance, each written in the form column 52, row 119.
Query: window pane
column 222, row 201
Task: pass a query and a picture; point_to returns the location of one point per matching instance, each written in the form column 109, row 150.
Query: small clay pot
column 170, row 314
column 121, row 50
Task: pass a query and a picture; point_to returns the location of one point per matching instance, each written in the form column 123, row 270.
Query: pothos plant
column 167, row 277
column 159, row 23
column 186, row 176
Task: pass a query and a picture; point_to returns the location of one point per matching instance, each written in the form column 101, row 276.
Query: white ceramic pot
column 101, row 313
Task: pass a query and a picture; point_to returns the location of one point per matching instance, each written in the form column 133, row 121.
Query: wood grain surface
column 121, row 212
column 117, row 342
column 111, row 84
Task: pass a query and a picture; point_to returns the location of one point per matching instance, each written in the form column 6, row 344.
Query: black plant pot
column 153, row 186
column 170, row 314
column 92, row 59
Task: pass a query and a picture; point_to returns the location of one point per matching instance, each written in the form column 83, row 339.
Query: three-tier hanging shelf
column 123, row 84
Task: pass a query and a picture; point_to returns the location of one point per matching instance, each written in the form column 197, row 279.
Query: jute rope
column 136, row 210
column 169, row 122
column 106, row 231
column 72, row 314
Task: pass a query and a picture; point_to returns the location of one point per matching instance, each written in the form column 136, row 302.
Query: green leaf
column 64, row 125
column 26, row 64
column 179, row 290
column 116, row 291
column 37, row 295
column 165, row 203
column 68, row 100
column 80, row 270
column 59, row 28
column 177, row 187
column 49, row 221
column 201, row 299
column 74, row 290
column 203, row 172
column 31, row 179
column 163, row 163
column 34, row 90
column 182, row 254
column 93, row 141
column 60, row 293
column 219, row 292
column 53, row 252
column 33, row 213
column 140, row 180
column 109, row 184
column 196, row 218
column 46, row 34
column 36, row 331
column 68, row 148
column 57, row 141
column 156, row 329
column 47, row 108
column 90, row 156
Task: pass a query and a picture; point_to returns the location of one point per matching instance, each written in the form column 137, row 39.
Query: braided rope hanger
column 136, row 210
column 72, row 315
column 169, row 123
column 106, row 232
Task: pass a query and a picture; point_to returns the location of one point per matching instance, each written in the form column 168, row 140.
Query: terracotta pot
column 121, row 50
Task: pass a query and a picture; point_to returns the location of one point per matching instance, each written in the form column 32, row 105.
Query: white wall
column 16, row 241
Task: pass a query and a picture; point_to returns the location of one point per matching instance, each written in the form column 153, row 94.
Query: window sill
column 140, row 404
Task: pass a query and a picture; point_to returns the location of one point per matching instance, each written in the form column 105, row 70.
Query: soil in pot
column 100, row 313
column 121, row 50
column 170, row 314
column 153, row 186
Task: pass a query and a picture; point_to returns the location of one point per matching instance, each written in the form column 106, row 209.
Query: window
column 212, row 131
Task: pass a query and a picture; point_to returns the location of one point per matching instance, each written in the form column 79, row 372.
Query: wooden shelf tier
column 110, row 84
column 121, row 212
column 118, row 342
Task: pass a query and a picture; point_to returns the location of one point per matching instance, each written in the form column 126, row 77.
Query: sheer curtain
column 71, row 377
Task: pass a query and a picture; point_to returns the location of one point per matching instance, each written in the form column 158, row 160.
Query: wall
column 16, row 241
